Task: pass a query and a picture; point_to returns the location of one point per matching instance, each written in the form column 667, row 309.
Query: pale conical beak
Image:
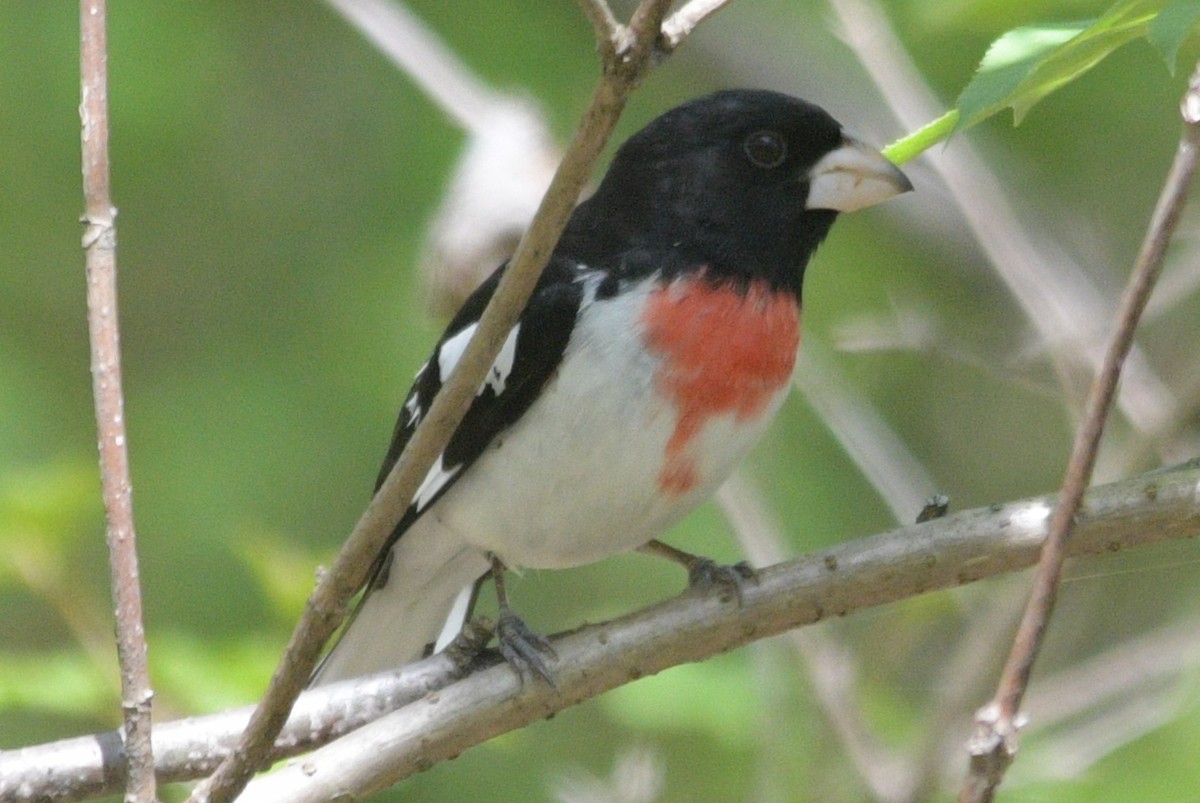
column 852, row 177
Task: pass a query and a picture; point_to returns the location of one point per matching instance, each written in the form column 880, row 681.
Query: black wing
column 512, row 384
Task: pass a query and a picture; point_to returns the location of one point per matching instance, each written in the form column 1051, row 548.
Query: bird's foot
column 522, row 648
column 469, row 644
column 707, row 573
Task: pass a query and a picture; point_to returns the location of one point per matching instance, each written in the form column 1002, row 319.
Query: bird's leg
column 520, row 646
column 704, row 572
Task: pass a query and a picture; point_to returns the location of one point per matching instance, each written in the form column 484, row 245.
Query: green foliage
column 44, row 510
column 274, row 177
column 1172, row 26
column 667, row 703
column 203, row 675
column 1028, row 63
column 65, row 683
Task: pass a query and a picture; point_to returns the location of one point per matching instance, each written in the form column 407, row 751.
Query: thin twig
column 963, row 679
column 508, row 160
column 327, row 605
column 889, row 567
column 609, row 32
column 402, row 37
column 100, row 256
column 994, row 744
column 681, row 24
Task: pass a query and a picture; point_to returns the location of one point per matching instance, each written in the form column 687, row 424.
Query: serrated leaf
column 1027, row 64
column 1171, row 27
column 1008, row 62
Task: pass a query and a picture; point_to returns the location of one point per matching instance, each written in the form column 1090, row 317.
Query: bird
column 656, row 348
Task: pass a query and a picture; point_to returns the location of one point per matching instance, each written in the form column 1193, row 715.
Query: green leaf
column 1027, row 64
column 1171, row 27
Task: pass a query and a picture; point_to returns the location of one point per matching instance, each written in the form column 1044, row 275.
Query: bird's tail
column 420, row 596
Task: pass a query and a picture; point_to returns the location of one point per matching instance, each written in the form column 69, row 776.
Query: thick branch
column 885, row 568
column 100, row 257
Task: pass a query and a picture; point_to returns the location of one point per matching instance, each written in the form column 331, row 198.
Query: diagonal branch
column 609, row 32
column 404, row 38
column 681, row 24
column 327, row 605
column 100, row 256
column 994, row 744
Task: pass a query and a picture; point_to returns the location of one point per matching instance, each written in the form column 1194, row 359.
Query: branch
column 695, row 626
column 609, row 32
column 327, row 605
column 100, row 257
column 681, row 24
column 187, row 749
column 994, row 743
column 404, row 39
column 889, row 567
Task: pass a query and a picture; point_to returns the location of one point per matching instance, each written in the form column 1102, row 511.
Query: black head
column 743, row 182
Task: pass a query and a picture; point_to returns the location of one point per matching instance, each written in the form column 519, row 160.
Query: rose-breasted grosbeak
column 656, row 348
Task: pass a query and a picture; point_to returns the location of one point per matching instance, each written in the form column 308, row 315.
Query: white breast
column 577, row 478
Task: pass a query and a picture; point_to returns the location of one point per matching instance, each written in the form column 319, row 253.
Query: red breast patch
column 724, row 351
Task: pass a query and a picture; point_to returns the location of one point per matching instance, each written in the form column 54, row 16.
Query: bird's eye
column 765, row 149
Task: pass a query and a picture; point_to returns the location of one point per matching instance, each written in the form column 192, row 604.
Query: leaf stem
column 912, row 145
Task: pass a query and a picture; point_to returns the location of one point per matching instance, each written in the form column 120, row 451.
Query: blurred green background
column 275, row 177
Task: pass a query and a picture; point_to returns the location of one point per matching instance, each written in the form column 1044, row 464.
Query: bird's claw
column 522, row 648
column 469, row 644
column 707, row 573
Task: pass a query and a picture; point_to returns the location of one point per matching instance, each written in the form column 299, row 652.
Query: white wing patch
column 452, row 350
column 413, row 408
column 497, row 376
column 435, row 480
column 456, row 619
column 413, row 405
